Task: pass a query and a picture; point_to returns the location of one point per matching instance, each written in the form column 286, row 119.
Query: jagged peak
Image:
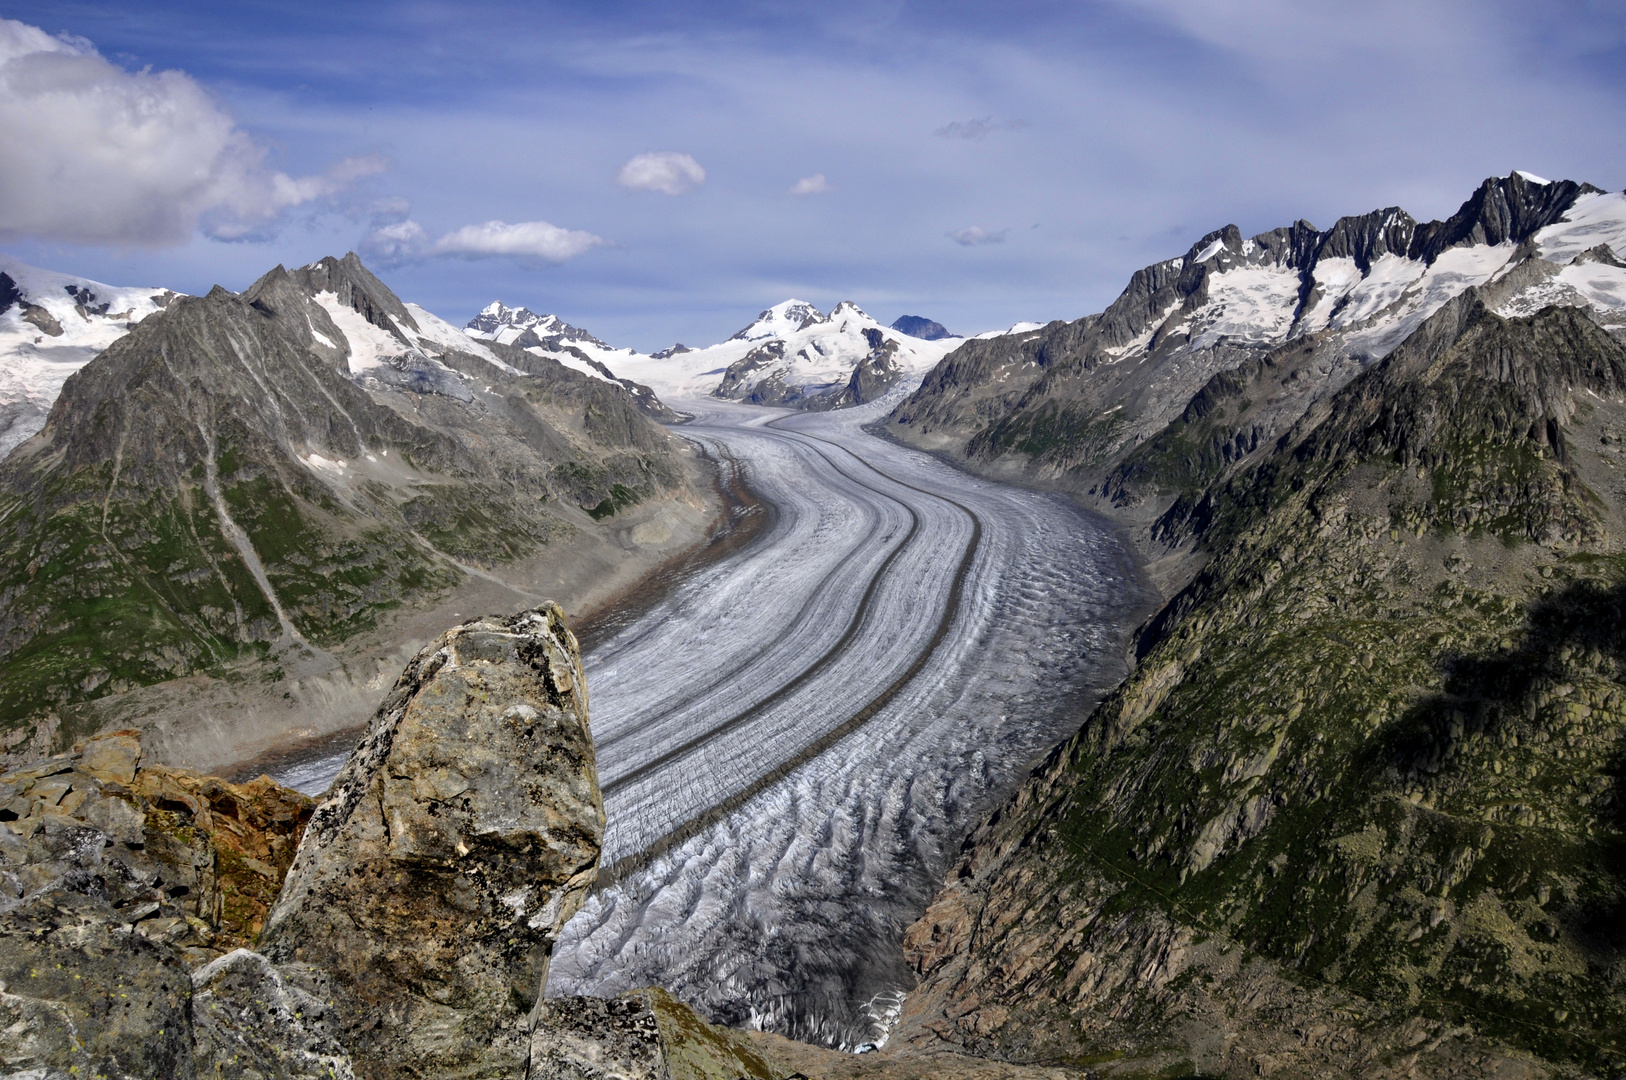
column 357, row 288
column 525, row 328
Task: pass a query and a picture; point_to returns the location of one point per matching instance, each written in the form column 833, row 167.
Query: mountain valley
column 1260, row 636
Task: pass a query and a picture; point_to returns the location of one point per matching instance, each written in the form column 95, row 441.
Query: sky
column 660, row 172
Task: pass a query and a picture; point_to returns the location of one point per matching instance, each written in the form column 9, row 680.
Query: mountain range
column 791, row 355
column 1082, row 404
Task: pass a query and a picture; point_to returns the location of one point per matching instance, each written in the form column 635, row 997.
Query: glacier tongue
column 793, row 742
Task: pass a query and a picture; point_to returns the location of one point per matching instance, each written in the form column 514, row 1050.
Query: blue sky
column 980, row 163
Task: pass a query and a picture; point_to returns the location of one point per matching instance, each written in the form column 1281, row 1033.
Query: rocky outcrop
column 921, row 327
column 875, row 374
column 736, row 382
column 115, row 878
column 460, row 836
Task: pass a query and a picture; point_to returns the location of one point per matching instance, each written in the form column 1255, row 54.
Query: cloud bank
column 665, row 171
column 95, row 154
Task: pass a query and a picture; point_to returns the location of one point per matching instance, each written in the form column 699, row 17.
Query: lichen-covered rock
column 642, row 1035
column 114, row 878
column 82, row 994
column 589, row 1038
column 189, row 860
column 249, row 1022
column 461, row 835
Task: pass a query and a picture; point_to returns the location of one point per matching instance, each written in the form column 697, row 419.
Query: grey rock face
column 357, row 288
column 249, row 1022
column 461, row 835
column 758, row 358
column 85, row 996
column 586, row 1038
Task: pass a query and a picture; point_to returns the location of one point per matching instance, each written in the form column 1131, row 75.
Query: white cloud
column 811, row 185
column 406, row 240
column 665, row 171
column 399, row 242
column 977, row 128
column 97, row 154
column 973, row 235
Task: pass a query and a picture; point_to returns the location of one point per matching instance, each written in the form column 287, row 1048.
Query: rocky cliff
column 1357, row 811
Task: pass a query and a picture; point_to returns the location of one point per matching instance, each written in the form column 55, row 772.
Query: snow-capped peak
column 496, row 316
column 51, row 325
column 524, row 327
column 783, row 318
column 1531, row 177
column 850, row 310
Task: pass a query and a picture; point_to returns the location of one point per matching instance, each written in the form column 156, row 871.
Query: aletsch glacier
column 790, row 742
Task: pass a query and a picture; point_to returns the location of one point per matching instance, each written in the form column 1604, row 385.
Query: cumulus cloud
column 404, row 241
column 977, row 128
column 811, row 185
column 98, row 154
column 973, row 235
column 665, row 171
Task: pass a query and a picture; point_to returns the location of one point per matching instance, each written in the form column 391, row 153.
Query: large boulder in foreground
column 460, row 836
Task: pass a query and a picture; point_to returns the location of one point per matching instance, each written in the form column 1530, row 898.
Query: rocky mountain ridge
column 1066, row 404
column 244, row 486
column 524, row 334
column 1356, row 809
